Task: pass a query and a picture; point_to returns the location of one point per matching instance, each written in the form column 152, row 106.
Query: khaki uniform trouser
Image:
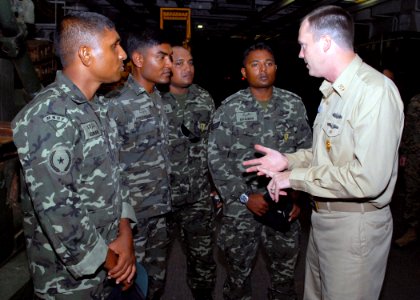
column 347, row 254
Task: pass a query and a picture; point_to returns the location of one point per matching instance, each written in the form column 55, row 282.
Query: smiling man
column 143, row 129
column 264, row 114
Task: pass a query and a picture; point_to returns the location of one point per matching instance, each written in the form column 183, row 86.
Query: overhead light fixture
column 200, row 26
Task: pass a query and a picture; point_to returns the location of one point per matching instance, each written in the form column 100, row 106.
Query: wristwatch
column 243, row 198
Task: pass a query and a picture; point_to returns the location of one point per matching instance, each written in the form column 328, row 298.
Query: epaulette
column 238, row 95
column 281, row 91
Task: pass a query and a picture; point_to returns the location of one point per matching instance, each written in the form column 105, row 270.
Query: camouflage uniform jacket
column 67, row 149
column 410, row 143
column 240, row 123
column 188, row 136
column 143, row 131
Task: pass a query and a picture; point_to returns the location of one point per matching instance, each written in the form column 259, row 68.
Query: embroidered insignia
column 202, row 126
column 333, row 126
column 60, row 160
column 167, row 108
column 246, row 116
column 143, row 112
column 91, row 130
column 56, row 118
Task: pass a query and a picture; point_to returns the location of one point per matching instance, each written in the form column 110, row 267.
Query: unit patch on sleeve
column 60, row 160
column 55, row 118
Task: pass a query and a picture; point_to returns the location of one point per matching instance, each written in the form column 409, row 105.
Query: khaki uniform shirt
column 357, row 132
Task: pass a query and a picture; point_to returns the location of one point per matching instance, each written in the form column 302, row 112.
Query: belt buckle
column 314, row 205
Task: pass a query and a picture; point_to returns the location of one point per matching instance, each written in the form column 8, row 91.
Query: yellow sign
column 177, row 14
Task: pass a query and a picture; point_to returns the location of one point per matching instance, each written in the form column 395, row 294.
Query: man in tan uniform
column 351, row 169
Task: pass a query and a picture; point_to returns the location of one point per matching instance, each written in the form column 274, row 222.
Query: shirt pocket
column 285, row 135
column 197, row 122
column 246, row 134
column 332, row 128
column 96, row 160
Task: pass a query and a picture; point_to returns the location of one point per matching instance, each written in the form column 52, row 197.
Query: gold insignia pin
column 286, row 136
column 328, row 145
column 202, row 127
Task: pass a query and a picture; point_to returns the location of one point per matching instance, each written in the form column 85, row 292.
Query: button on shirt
column 357, row 132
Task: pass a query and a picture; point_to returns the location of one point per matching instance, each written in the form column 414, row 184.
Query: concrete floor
column 402, row 281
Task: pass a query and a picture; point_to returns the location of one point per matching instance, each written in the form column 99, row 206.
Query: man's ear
column 137, row 59
column 85, row 55
column 243, row 71
column 326, row 42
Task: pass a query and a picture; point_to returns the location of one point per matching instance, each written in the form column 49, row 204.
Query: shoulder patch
column 56, row 118
column 90, row 130
column 60, row 160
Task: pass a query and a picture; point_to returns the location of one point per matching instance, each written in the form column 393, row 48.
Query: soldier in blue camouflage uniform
column 261, row 114
column 76, row 214
column 143, row 130
column 189, row 109
column 410, row 160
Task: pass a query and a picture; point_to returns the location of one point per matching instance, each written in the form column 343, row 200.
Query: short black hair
column 77, row 29
column 254, row 47
column 150, row 37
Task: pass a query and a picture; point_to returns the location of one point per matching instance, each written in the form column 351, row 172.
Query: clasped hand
column 121, row 261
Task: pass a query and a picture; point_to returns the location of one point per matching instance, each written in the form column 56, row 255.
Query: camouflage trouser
column 99, row 292
column 151, row 245
column 412, row 189
column 195, row 222
column 239, row 238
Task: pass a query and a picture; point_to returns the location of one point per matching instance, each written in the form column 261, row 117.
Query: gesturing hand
column 278, row 183
column 272, row 160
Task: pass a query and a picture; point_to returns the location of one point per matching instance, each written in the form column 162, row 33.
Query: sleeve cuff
column 92, row 261
column 297, row 179
column 128, row 213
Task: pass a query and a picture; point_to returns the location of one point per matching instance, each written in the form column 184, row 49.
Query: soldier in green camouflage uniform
column 143, row 129
column 261, row 114
column 410, row 159
column 189, row 109
column 75, row 207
